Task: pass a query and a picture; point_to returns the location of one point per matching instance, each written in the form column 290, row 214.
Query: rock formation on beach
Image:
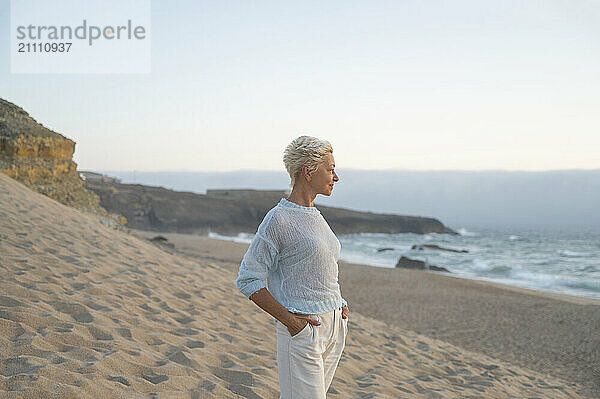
column 421, row 247
column 408, row 263
column 163, row 242
column 234, row 211
column 42, row 159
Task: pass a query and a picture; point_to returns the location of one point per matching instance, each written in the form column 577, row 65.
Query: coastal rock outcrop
column 162, row 242
column 345, row 221
column 233, row 211
column 433, row 246
column 408, row 263
column 42, row 160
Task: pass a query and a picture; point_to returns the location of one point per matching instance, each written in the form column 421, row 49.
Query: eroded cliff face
column 42, row 159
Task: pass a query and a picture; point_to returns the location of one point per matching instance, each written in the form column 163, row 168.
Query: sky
column 402, row 85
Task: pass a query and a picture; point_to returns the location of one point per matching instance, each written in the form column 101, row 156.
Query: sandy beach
column 551, row 333
column 91, row 312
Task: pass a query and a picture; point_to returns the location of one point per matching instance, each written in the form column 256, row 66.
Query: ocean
column 565, row 260
column 556, row 260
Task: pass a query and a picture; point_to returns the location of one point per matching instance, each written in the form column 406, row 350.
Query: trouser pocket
column 302, row 332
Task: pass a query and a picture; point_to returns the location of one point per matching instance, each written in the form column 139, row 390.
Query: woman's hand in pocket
column 298, row 322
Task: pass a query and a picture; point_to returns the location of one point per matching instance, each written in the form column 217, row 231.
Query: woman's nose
column 335, row 177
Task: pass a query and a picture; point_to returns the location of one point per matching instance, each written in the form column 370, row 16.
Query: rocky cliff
column 42, row 159
column 234, row 211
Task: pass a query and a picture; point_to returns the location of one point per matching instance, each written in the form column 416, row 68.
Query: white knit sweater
column 294, row 253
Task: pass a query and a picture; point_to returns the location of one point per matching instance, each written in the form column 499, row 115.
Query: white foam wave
column 367, row 260
column 571, row 254
column 537, row 279
column 241, row 237
column 463, row 232
column 480, row 265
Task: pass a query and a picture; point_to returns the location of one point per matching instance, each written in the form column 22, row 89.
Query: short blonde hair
column 305, row 150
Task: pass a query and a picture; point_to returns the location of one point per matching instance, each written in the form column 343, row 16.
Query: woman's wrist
column 266, row 302
column 287, row 318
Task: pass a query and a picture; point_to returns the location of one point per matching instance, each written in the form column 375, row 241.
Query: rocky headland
column 233, row 211
column 42, row 160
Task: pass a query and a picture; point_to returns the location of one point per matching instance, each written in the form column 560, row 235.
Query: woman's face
column 323, row 179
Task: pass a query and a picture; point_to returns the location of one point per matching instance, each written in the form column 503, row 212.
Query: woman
column 295, row 253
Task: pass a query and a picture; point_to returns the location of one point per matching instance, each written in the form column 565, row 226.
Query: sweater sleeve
column 259, row 260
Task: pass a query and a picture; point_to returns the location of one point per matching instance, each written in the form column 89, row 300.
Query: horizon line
column 346, row 169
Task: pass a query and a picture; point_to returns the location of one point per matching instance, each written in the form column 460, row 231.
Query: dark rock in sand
column 162, row 242
column 408, row 263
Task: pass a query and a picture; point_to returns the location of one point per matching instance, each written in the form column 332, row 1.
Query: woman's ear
column 306, row 172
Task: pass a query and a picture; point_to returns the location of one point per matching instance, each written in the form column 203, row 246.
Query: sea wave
column 583, row 284
column 463, row 232
column 525, row 259
column 362, row 259
column 480, row 265
column 244, row 238
column 539, row 280
column 572, row 254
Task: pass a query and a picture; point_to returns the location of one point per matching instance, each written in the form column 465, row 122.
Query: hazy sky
column 419, row 85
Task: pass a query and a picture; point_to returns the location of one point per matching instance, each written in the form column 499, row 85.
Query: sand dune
column 87, row 311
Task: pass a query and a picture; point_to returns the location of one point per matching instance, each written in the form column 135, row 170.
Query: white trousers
column 307, row 361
